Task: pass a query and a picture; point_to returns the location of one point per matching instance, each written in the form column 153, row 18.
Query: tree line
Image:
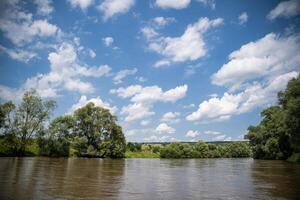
column 90, row 131
column 277, row 136
column 199, row 149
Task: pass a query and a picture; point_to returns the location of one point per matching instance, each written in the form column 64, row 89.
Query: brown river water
column 78, row 178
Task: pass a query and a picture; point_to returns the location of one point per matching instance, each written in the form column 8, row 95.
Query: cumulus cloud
column 145, row 122
column 255, row 95
column 149, row 32
column 285, row 9
column 142, row 99
column 243, row 18
column 19, row 26
column 97, row 101
column 170, row 117
column 83, row 4
column 164, row 128
column 181, row 4
column 270, row 55
column 254, row 75
column 189, row 46
column 127, row 92
column 175, row 4
column 136, row 111
column 220, row 137
column 18, row 54
column 92, row 53
column 108, row 41
column 163, row 21
column 151, row 94
column 155, row 138
column 189, row 106
column 118, row 78
column 209, row 132
column 44, row 7
column 210, row 3
column 65, row 73
column 110, row 8
column 192, row 133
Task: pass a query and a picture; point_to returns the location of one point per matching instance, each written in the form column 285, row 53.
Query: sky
column 170, row 70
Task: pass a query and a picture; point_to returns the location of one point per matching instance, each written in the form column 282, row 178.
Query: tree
column 7, row 128
column 30, row 117
column 266, row 138
column 237, row 150
column 57, row 139
column 96, row 126
column 290, row 102
column 277, row 136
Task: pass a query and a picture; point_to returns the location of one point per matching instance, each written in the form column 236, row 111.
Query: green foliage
column 133, row 147
column 56, row 142
column 277, row 136
column 91, row 131
column 237, row 150
column 96, row 126
column 141, row 154
column 204, row 150
column 24, row 122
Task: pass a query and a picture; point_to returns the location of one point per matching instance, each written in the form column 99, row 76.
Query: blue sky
column 169, row 70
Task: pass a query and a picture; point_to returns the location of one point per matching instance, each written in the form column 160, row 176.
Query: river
column 78, row 178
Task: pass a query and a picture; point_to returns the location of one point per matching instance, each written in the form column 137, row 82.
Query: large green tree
column 277, row 136
column 98, row 133
column 290, row 102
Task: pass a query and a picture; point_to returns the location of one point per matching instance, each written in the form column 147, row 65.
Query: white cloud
column 154, row 93
column 7, row 93
column 151, row 94
column 189, row 46
column 285, row 9
column 210, row 3
column 108, row 41
column 189, row 106
column 192, row 134
column 141, row 79
column 118, row 78
column 220, row 137
column 243, row 18
column 164, row 128
column 145, row 122
column 270, row 55
column 175, row 4
column 18, row 54
column 20, row 28
column 149, row 32
column 44, row 7
column 170, row 117
column 110, row 8
column 163, row 21
column 78, row 85
column 154, row 138
column 212, row 132
column 82, row 4
column 142, row 99
column 256, row 72
column 65, row 72
column 92, row 53
column 97, row 101
column 136, row 111
column 255, row 95
column 126, row 92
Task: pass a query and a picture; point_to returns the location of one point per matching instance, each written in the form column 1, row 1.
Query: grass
column 141, row 154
